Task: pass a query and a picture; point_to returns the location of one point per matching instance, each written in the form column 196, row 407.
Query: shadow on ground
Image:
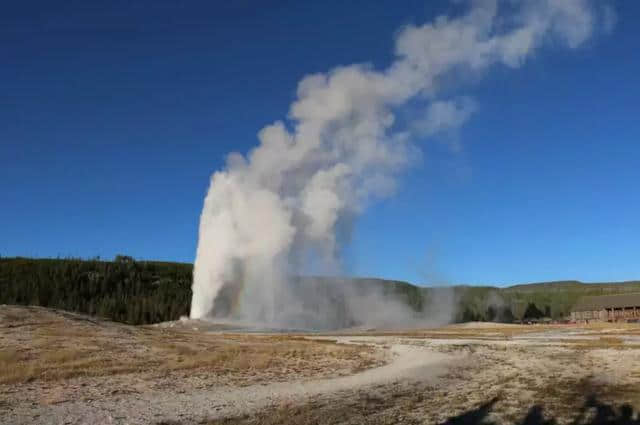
column 382, row 411
column 593, row 412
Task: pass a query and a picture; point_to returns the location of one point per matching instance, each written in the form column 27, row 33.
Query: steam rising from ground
column 283, row 207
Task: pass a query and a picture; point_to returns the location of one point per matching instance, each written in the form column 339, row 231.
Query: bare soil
column 58, row 367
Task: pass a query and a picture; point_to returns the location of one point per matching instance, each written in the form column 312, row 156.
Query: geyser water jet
column 268, row 213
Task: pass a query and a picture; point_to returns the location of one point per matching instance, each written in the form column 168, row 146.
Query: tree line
column 144, row 292
column 124, row 290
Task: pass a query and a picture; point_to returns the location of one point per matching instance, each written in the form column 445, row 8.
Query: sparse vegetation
column 364, row 408
column 70, row 365
column 49, row 347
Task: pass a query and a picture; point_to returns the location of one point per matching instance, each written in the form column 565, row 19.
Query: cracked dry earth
column 474, row 373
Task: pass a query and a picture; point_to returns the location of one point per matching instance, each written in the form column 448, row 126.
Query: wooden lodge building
column 607, row 308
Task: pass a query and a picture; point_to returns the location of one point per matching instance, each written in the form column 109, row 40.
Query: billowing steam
column 282, row 208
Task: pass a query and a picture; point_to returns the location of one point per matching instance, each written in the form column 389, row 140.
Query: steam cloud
column 283, row 206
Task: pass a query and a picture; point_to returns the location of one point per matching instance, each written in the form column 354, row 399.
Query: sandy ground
column 471, row 373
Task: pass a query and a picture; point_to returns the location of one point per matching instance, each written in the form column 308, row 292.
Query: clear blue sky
column 114, row 114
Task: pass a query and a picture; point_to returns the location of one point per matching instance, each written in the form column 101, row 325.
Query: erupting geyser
column 269, row 213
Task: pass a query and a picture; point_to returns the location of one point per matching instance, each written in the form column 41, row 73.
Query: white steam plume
column 283, row 202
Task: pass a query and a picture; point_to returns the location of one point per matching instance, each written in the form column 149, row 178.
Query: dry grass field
column 511, row 374
column 44, row 345
column 58, row 367
column 50, row 357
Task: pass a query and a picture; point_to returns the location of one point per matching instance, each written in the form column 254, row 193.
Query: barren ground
column 58, row 367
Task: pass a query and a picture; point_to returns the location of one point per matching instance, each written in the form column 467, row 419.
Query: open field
column 58, row 367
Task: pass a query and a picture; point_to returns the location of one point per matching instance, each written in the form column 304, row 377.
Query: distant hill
column 575, row 284
column 141, row 292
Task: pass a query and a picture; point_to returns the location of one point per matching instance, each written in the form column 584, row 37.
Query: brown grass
column 459, row 331
column 362, row 407
column 61, row 348
column 602, row 342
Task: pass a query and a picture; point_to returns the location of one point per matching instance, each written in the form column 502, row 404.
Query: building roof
column 607, row 301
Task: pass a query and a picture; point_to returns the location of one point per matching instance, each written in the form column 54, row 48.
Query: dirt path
column 409, row 363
